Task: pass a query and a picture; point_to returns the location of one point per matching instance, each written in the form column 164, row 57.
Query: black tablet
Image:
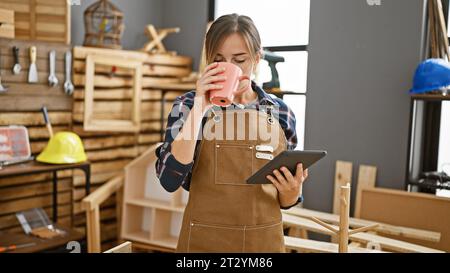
column 289, row 159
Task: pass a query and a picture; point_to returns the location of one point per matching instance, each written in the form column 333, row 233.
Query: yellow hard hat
column 63, row 148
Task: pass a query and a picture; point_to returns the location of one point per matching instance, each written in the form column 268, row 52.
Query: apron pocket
column 233, row 163
column 215, row 238
column 267, row 238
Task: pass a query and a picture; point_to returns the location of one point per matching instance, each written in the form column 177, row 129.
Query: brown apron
column 224, row 214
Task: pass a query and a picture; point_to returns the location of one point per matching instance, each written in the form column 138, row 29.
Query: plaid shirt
column 173, row 174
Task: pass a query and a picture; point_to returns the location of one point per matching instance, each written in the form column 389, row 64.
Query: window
column 284, row 29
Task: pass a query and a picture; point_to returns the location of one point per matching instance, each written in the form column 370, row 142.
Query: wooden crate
column 415, row 210
column 7, row 23
column 42, row 20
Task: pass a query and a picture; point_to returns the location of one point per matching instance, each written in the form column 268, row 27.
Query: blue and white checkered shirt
column 173, row 174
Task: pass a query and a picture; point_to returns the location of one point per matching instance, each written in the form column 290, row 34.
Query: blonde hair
column 228, row 24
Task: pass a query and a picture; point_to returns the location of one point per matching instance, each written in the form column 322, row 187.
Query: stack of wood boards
column 43, row 20
column 21, row 105
column 110, row 151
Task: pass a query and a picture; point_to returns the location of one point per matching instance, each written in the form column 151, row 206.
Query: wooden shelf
column 431, row 97
column 148, row 203
column 140, row 236
column 169, row 242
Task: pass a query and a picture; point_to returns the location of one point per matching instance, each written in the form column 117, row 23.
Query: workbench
column 35, row 167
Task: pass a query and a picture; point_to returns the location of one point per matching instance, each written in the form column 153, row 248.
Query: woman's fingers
column 289, row 177
column 280, row 177
column 213, row 79
column 213, row 72
column 274, row 182
column 210, row 66
column 299, row 172
column 211, row 86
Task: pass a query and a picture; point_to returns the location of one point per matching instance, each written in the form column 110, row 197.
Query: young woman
column 211, row 151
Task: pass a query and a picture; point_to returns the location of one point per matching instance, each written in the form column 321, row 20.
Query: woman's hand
column 289, row 186
column 208, row 81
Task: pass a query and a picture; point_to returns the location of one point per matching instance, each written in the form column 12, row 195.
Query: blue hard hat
column 431, row 75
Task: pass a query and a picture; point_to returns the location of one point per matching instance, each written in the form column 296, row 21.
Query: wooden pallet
column 42, row 20
column 109, row 152
column 20, row 105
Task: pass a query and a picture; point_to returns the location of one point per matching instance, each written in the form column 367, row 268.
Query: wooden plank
column 147, row 70
column 15, row 6
column 417, row 210
column 105, row 166
column 42, row 132
column 6, row 16
column 149, row 138
column 122, row 248
column 78, row 129
column 106, row 214
column 54, row 10
column 119, row 94
column 49, row 18
column 10, row 220
column 97, row 197
column 29, row 179
column 162, row 59
column 116, row 153
column 7, row 31
column 32, row 19
column 59, row 102
column 118, row 106
column 56, row 118
column 311, row 246
column 97, row 178
column 108, row 142
column 52, row 3
column 149, row 116
column 342, row 176
column 31, row 190
column 386, row 243
column 116, row 82
column 33, row 202
column 366, row 179
column 355, row 223
column 77, row 209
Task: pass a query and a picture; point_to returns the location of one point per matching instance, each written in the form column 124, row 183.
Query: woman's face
column 234, row 50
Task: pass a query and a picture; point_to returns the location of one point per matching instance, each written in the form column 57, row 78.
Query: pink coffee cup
column 225, row 95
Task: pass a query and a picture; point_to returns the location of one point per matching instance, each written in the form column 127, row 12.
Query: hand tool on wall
column 68, row 86
column 32, row 73
column 17, row 67
column 52, row 79
column 3, row 89
column 47, row 121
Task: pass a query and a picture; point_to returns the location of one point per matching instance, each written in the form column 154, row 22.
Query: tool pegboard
column 21, row 95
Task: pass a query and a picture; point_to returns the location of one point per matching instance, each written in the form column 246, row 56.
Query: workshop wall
column 162, row 14
column 137, row 14
column 361, row 63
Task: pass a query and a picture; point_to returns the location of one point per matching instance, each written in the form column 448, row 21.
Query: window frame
column 287, row 48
